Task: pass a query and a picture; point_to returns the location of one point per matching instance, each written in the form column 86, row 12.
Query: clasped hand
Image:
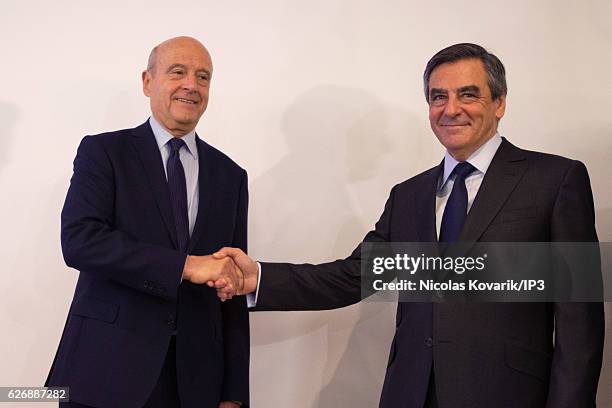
column 229, row 270
column 220, row 271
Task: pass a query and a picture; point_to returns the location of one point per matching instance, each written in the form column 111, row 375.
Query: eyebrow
column 470, row 88
column 204, row 71
column 171, row 67
column 437, row 91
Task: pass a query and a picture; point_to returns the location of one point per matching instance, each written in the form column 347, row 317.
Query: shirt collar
column 162, row 137
column 480, row 159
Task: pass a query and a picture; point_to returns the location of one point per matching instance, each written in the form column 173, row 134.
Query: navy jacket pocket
column 515, row 214
column 95, row 309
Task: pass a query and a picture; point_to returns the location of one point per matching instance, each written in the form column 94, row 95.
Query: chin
column 186, row 124
column 453, row 141
column 185, row 118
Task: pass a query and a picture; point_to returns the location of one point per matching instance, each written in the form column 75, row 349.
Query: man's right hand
column 206, row 269
column 249, row 268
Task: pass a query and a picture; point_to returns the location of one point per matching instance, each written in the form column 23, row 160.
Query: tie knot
column 176, row 144
column 463, row 169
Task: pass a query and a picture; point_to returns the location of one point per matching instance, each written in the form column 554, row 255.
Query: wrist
column 188, row 268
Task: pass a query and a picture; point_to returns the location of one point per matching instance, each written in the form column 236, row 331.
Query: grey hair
column 152, row 59
column 496, row 73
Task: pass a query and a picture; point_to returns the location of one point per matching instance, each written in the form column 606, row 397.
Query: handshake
column 228, row 270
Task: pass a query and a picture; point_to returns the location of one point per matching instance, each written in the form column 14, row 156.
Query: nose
column 190, row 83
column 452, row 106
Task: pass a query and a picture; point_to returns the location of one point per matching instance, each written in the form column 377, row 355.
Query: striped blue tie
column 178, row 193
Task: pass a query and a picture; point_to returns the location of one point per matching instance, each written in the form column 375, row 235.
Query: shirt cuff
column 251, row 298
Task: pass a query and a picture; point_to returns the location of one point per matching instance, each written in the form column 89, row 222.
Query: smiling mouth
column 187, row 101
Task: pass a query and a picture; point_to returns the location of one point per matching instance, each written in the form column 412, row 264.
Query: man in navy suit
column 468, row 355
column 145, row 209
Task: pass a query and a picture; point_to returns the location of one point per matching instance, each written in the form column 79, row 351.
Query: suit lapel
column 506, row 170
column 148, row 152
column 206, row 179
column 425, row 205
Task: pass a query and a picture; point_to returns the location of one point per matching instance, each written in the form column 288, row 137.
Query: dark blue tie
column 178, row 193
column 455, row 211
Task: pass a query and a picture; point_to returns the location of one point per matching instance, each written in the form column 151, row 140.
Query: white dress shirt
column 480, row 159
column 189, row 160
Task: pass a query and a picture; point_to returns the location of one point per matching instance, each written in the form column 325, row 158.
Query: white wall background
column 322, row 103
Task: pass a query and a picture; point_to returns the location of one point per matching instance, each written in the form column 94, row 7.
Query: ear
column 146, row 80
column 501, row 107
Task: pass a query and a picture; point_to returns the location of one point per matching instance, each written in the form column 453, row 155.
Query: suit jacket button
column 171, row 324
column 429, row 342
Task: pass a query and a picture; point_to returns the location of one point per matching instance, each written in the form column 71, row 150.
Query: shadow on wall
column 35, row 295
column 54, row 287
column 300, row 204
column 304, row 210
column 337, row 137
column 301, row 209
column 9, row 114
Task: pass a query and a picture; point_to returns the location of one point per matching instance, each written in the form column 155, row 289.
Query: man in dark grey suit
column 488, row 190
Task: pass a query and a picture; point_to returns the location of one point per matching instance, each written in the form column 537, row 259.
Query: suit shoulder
column 112, row 138
column 104, row 144
column 548, row 158
column 113, row 135
column 551, row 164
column 418, row 180
column 221, row 158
